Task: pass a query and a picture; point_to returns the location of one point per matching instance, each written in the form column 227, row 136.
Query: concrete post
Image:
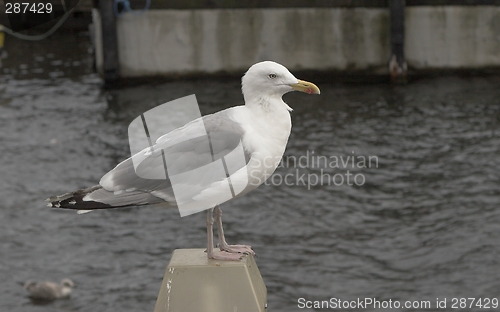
column 192, row 282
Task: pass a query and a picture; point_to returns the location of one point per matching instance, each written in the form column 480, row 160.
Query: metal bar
column 231, row 4
column 452, row 2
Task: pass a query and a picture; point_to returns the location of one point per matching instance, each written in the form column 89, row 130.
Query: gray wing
column 44, row 291
column 184, row 150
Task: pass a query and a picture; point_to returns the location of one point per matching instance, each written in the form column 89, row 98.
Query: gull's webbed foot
column 241, row 249
column 224, row 255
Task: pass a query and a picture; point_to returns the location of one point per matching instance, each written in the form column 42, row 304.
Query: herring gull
column 49, row 291
column 259, row 129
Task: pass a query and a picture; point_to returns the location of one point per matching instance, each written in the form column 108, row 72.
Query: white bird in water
column 49, row 291
column 259, row 129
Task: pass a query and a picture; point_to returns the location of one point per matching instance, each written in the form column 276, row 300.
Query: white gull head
column 269, row 80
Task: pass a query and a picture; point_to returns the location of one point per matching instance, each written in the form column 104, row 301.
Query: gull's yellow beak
column 305, row 86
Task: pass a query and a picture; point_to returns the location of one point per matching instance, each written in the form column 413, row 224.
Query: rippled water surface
column 425, row 223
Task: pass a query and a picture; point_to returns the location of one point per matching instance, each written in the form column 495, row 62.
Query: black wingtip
column 74, row 200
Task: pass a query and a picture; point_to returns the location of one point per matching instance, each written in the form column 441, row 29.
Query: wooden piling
column 397, row 64
column 110, row 67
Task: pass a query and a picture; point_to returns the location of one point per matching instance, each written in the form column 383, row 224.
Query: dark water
column 424, row 225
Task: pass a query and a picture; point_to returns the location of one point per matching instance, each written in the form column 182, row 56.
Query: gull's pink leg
column 223, row 245
column 217, row 255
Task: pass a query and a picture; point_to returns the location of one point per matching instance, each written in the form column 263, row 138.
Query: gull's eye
column 272, row 76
